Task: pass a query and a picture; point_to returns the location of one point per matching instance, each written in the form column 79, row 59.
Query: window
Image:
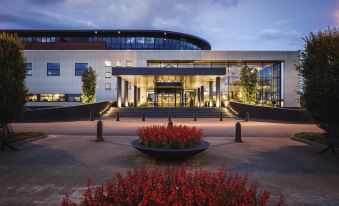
column 52, row 97
column 80, row 68
column 128, row 63
column 107, row 63
column 29, row 69
column 53, row 69
column 118, row 64
column 32, row 98
column 108, row 74
column 108, row 86
column 74, row 97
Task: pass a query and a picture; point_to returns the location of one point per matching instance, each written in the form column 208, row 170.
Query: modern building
column 150, row 68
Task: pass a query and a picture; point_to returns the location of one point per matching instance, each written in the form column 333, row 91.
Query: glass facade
column 269, row 85
column 53, row 69
column 53, row 98
column 268, row 79
column 80, row 68
column 135, row 40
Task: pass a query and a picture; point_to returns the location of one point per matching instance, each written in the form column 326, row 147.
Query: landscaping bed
column 170, row 143
column 24, row 136
column 313, row 137
column 176, row 186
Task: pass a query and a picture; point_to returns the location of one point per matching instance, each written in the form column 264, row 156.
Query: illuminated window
column 128, row 63
column 118, row 63
column 52, row 97
column 108, row 86
column 107, row 63
column 32, row 98
column 108, row 74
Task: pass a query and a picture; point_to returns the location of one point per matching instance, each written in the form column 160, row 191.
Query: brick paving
column 44, row 170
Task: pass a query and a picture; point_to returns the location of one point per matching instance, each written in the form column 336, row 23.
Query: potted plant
column 171, row 142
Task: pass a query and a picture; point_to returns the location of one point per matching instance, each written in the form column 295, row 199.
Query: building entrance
column 168, row 94
column 168, row 100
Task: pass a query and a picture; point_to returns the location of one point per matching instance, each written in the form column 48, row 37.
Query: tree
column 319, row 71
column 89, row 85
column 13, row 90
column 248, row 81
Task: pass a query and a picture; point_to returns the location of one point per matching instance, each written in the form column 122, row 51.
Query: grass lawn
column 21, row 136
column 314, row 137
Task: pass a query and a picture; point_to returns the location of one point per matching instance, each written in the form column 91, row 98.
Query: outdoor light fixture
column 108, row 63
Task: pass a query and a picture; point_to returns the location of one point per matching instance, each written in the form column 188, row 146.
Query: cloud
column 278, row 33
column 226, row 24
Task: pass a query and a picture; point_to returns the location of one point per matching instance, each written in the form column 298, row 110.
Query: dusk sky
column 226, row 24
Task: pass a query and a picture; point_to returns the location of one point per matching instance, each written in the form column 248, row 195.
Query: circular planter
column 168, row 153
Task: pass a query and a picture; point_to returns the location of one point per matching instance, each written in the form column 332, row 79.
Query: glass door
column 168, row 99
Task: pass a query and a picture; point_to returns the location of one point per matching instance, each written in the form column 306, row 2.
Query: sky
column 226, row 24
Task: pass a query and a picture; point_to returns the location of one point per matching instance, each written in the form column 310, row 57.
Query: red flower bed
column 170, row 136
column 175, row 187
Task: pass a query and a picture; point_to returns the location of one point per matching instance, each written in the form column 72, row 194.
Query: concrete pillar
column 210, row 94
column 126, row 94
column 119, row 91
column 155, row 97
column 182, row 98
column 135, row 96
column 217, row 87
column 138, row 99
column 199, row 97
column 202, row 96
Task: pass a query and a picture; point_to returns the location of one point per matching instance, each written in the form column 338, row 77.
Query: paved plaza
column 46, row 169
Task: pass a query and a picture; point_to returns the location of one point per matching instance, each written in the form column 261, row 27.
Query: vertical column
column 210, row 93
column 183, row 98
column 126, row 94
column 282, row 84
column 135, row 95
column 119, row 91
column 155, row 97
column 217, row 88
column 199, row 98
column 202, row 96
column 138, row 97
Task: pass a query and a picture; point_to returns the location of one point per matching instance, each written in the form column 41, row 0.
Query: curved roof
column 201, row 43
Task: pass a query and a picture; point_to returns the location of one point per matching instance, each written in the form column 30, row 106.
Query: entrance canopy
column 192, row 78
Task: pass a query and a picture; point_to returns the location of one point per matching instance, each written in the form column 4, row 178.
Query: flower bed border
column 170, row 153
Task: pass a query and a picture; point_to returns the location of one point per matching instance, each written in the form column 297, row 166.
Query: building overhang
column 146, row 71
column 145, row 77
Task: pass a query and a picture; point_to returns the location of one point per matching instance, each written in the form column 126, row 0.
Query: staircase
column 162, row 112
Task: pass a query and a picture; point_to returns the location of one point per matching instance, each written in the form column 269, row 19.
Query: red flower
column 170, row 136
column 176, row 187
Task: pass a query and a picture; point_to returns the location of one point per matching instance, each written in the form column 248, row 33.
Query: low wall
column 78, row 112
column 273, row 113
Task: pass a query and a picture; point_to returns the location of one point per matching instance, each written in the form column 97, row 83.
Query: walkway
column 212, row 127
column 44, row 170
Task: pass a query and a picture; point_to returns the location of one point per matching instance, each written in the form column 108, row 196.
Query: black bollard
column 221, row 117
column 118, row 116
column 99, row 132
column 91, row 116
column 195, row 116
column 237, row 132
column 143, row 116
column 169, row 117
column 247, row 117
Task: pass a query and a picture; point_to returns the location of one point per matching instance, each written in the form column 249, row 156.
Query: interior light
column 108, row 63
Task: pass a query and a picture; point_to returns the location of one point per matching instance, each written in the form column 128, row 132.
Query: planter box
column 168, row 153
